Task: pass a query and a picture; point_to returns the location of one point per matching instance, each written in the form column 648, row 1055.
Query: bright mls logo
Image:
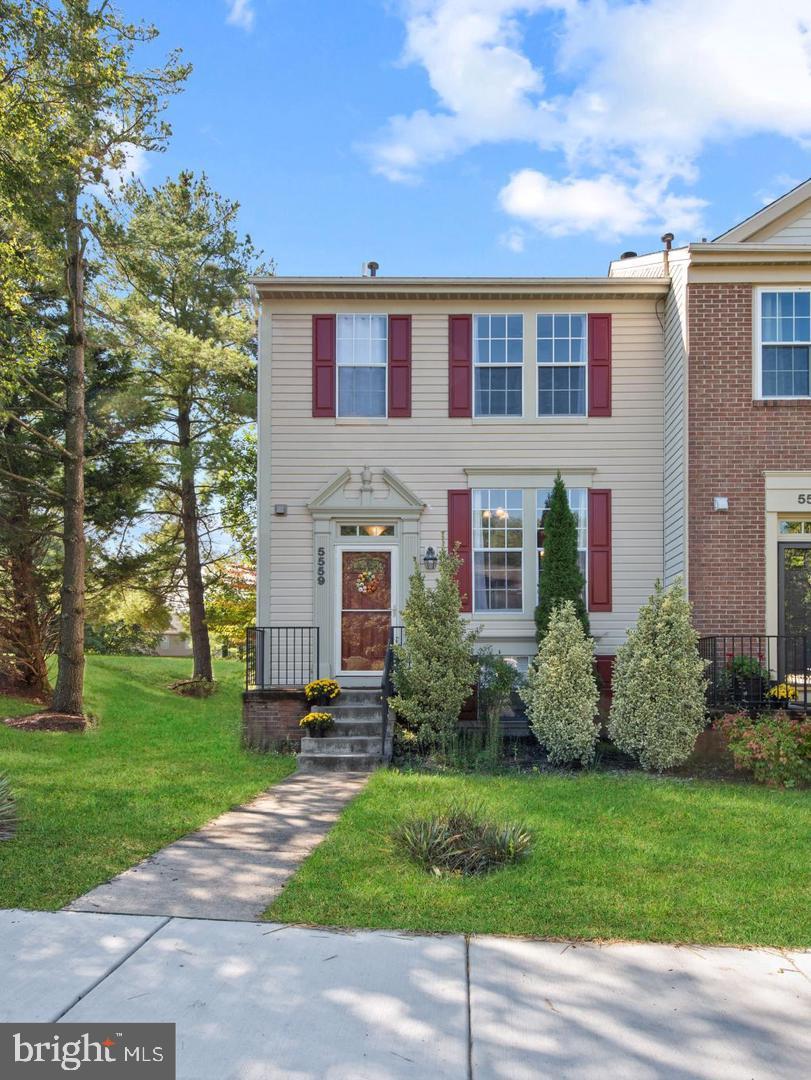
column 44, row 1051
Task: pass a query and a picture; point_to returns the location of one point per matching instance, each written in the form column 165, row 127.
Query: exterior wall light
column 720, row 502
column 430, row 559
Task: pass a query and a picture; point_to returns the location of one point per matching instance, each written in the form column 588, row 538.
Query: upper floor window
column 785, row 343
column 362, row 351
column 498, row 365
column 561, row 356
column 498, row 542
column 578, row 504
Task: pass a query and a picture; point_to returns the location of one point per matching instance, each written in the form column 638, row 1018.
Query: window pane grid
column 362, row 354
column 561, row 354
column 498, row 540
column 498, row 364
column 785, row 331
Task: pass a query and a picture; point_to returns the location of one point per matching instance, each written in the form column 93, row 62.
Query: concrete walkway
column 256, row 1001
column 234, row 866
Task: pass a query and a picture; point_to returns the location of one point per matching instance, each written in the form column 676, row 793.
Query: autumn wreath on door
column 370, row 574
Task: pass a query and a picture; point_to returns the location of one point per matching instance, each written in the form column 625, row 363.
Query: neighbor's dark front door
column 795, row 608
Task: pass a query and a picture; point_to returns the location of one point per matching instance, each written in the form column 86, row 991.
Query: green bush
column 775, row 747
column 659, row 702
column 462, row 841
column 561, row 692
column 496, row 681
column 434, row 670
column 8, row 810
column 561, row 579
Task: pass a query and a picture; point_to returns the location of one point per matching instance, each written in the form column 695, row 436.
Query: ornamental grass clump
column 659, row 703
column 462, row 841
column 8, row 810
column 561, row 693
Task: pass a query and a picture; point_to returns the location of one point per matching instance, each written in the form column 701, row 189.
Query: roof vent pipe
column 373, row 267
column 667, row 240
column 628, row 255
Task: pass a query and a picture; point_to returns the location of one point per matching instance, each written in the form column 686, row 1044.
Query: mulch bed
column 49, row 721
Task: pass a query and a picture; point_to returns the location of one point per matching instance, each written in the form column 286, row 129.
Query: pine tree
column 561, row 578
column 659, row 701
column 435, row 670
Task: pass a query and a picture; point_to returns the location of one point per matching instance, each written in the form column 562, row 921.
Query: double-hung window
column 785, row 343
column 562, row 355
column 498, row 542
column 362, row 353
column 578, row 504
column 498, row 369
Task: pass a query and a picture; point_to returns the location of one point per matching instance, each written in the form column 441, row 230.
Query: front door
column 795, row 611
column 366, row 605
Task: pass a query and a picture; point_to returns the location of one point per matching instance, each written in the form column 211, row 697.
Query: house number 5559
column 804, row 499
column 321, row 564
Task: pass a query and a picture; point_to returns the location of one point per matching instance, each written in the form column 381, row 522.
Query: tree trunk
column 28, row 670
column 201, row 646
column 68, row 695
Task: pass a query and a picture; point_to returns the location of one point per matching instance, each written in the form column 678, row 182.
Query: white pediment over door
column 366, row 491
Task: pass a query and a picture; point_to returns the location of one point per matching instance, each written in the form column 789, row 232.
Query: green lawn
column 156, row 766
column 613, row 857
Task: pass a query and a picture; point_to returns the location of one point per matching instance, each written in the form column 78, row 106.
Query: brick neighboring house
column 673, row 396
column 737, row 457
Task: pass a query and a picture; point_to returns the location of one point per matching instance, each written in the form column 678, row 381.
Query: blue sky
column 534, row 138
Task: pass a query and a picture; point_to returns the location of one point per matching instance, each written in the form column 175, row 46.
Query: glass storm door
column 366, row 609
column 795, row 613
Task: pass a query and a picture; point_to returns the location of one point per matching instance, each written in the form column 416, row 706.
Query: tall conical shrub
column 561, row 578
column 659, row 702
column 435, row 670
column 561, row 692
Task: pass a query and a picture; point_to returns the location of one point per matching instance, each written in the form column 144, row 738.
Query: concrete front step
column 357, row 697
column 357, row 727
column 341, row 744
column 338, row 762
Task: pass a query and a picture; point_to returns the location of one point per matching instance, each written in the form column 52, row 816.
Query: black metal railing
column 281, row 656
column 396, row 637
column 754, row 672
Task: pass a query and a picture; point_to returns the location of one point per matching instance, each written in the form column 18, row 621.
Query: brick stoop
column 354, row 744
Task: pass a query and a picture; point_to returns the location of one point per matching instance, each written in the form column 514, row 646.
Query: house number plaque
column 321, row 564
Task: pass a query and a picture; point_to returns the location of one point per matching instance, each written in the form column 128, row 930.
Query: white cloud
column 513, row 240
column 639, row 89
column 135, row 164
column 241, row 14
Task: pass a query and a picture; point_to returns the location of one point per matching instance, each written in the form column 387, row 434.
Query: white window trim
column 558, row 417
column 502, row 417
column 353, row 418
column 758, row 334
column 498, row 613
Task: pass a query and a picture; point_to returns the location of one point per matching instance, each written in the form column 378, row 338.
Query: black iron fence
column 755, row 672
column 281, row 656
column 396, row 637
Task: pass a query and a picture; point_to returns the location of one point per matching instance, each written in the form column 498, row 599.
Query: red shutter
column 599, row 549
column 323, row 365
column 599, row 365
column 460, row 531
column 460, row 365
column 399, row 365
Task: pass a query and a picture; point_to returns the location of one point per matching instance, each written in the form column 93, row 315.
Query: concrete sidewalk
column 258, row 1001
column 233, row 867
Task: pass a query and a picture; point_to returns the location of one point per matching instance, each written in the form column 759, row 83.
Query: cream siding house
column 341, row 496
